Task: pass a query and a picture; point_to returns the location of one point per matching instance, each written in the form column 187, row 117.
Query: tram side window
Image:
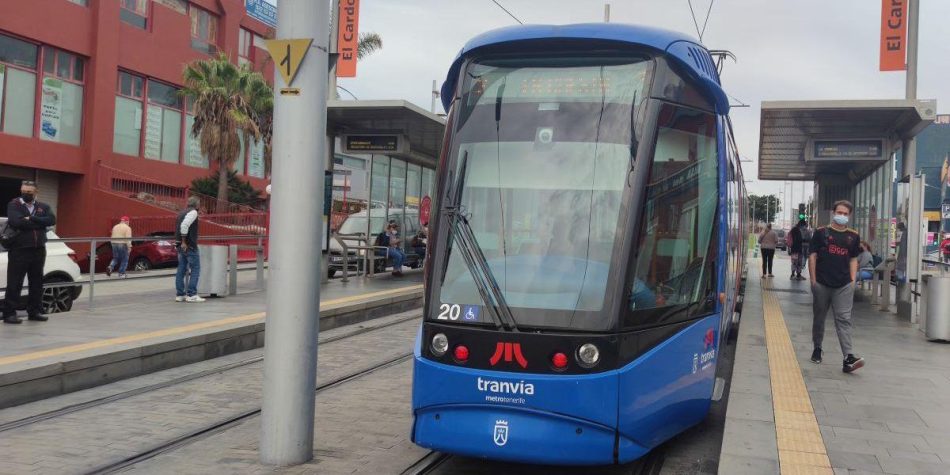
column 678, row 213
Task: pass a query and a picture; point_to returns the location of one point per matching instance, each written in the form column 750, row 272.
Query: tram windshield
column 548, row 144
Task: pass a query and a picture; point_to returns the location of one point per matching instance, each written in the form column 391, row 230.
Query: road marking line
column 800, row 445
column 186, row 328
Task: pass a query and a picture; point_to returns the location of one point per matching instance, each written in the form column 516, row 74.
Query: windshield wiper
column 475, row 259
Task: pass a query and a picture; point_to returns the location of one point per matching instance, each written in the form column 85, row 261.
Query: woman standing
column 767, row 242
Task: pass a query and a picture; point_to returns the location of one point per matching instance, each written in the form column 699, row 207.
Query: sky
column 785, row 49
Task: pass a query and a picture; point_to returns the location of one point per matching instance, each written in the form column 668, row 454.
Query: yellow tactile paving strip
column 801, row 449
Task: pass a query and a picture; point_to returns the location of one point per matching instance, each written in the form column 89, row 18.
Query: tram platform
column 788, row 415
column 132, row 334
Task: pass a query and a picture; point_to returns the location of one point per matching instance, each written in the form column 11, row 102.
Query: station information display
column 848, row 149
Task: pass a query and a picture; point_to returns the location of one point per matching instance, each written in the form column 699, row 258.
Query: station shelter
column 847, row 149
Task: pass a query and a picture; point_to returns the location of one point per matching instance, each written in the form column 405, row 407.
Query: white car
column 59, row 267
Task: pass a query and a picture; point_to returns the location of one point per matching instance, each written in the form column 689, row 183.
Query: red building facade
column 88, row 102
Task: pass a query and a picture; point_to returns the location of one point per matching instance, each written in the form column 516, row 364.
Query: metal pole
column 606, row 12
column 92, row 271
column 290, row 342
column 232, row 269
column 435, row 95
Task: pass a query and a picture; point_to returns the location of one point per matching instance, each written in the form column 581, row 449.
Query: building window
column 204, row 30
column 245, row 43
column 163, row 123
column 134, row 12
column 127, row 131
column 193, row 155
column 61, row 100
column 17, row 86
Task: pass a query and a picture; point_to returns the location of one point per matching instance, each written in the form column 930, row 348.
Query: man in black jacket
column 27, row 254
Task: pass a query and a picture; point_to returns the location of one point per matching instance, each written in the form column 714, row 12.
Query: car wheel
column 57, row 299
column 141, row 264
column 330, row 273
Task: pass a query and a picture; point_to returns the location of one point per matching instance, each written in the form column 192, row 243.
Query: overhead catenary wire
column 700, row 32
column 512, row 15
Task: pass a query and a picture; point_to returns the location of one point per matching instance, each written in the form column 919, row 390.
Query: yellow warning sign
column 287, row 56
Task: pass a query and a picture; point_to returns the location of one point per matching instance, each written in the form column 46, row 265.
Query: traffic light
column 801, row 211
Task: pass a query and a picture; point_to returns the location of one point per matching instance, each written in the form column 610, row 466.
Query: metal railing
column 369, row 254
column 95, row 242
column 157, row 193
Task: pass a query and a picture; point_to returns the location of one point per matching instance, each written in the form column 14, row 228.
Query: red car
column 144, row 255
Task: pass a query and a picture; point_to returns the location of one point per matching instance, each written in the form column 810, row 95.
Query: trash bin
column 213, row 280
column 937, row 318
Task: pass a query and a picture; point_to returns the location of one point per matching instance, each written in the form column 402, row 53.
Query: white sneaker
column 180, row 298
column 194, row 298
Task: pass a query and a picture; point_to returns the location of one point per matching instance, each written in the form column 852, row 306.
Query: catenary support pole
column 290, row 345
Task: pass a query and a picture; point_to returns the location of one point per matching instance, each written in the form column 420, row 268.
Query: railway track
column 26, row 421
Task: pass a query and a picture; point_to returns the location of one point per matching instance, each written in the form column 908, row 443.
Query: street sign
column 287, row 56
column 262, row 11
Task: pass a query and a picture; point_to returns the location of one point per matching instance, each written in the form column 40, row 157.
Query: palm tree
column 368, row 44
column 261, row 98
column 223, row 109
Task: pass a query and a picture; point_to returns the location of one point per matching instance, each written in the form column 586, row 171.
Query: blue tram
column 585, row 260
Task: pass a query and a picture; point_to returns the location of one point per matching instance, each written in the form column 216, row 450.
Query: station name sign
column 372, row 144
column 848, row 150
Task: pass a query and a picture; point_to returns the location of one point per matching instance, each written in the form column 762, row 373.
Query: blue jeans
column 187, row 259
column 398, row 257
column 865, row 275
column 120, row 258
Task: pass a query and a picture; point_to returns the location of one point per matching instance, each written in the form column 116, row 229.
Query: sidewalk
column 130, row 334
column 892, row 416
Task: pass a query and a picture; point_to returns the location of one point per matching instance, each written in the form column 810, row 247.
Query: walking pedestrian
column 767, row 242
column 945, row 247
column 121, row 242
column 26, row 255
column 833, row 267
column 186, row 240
column 795, row 250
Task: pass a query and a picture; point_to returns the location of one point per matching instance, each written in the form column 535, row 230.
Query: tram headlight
column 588, row 355
column 440, row 344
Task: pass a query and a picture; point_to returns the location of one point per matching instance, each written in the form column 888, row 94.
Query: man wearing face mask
column 27, row 254
column 833, row 267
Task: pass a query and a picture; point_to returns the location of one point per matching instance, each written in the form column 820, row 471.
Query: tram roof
column 683, row 49
column 787, row 127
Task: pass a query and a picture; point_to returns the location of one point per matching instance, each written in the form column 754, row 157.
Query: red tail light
column 559, row 360
column 461, row 353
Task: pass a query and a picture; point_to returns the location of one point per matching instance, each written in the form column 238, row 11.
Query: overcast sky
column 786, row 49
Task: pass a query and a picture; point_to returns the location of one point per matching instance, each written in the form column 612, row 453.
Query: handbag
column 8, row 235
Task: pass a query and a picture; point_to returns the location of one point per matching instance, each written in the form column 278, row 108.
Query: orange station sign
column 348, row 38
column 893, row 35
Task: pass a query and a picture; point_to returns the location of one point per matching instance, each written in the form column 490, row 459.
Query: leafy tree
column 239, row 191
column 763, row 208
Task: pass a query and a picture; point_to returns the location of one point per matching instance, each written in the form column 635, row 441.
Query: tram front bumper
column 514, row 434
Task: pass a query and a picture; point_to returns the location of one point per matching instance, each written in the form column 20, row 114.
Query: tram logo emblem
column 510, row 351
column 710, row 339
column 501, row 432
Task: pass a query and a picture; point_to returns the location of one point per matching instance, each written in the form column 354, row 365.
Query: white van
column 59, row 267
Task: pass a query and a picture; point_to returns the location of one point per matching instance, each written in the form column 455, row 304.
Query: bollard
column 92, row 271
column 259, row 283
column 232, row 269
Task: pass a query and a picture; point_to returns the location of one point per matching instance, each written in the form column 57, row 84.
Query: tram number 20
column 449, row 312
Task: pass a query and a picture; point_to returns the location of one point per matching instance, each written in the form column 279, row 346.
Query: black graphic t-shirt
column 835, row 250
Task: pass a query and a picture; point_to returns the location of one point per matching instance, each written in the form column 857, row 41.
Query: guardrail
column 94, row 243
column 369, row 254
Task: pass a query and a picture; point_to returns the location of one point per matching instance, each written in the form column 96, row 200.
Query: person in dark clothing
column 795, row 250
column 186, row 240
column 833, row 267
column 27, row 254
